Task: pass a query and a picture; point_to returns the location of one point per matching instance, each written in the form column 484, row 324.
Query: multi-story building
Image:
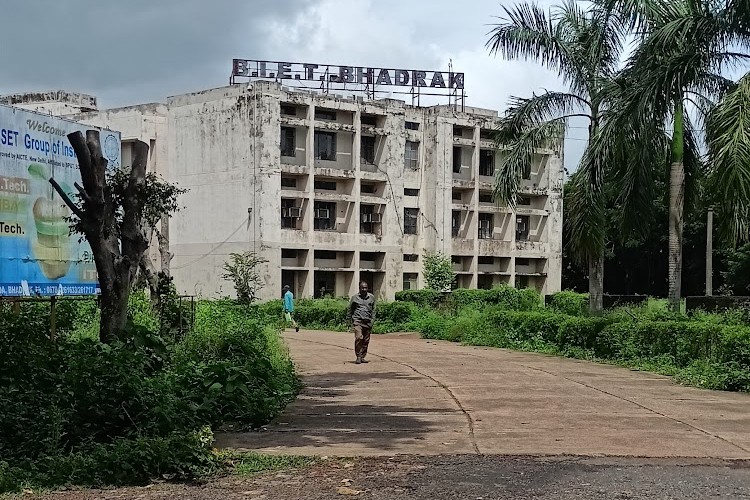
column 331, row 190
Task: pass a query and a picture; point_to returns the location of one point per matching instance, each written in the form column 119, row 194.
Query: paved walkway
column 430, row 397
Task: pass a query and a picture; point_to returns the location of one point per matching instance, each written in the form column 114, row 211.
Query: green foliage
column 425, row 298
column 81, row 412
column 322, row 314
column 737, row 275
column 567, row 302
column 246, row 464
column 438, row 271
column 242, row 271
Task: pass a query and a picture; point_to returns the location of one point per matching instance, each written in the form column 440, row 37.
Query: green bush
column 423, row 298
column 393, row 317
column 322, row 314
column 567, row 302
column 81, row 412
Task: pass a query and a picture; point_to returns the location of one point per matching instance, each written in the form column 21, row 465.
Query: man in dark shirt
column 360, row 314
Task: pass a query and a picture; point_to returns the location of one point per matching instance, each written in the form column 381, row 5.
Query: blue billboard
column 38, row 254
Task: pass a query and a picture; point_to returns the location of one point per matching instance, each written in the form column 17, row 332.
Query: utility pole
column 709, row 251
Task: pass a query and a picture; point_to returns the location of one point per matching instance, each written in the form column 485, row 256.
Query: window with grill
column 290, row 214
column 522, row 228
column 410, row 281
column 326, row 185
column 410, row 220
column 324, row 217
column 325, row 114
column 367, row 149
column 371, row 120
column 368, row 218
column 456, row 159
column 455, row 222
column 522, row 282
column 486, row 162
column 411, row 155
column 288, row 182
column 288, row 144
column 411, row 126
column 411, row 192
column 411, row 257
column 484, row 281
column 325, row 146
column 486, row 226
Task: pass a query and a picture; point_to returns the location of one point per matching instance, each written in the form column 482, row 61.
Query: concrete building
column 332, row 190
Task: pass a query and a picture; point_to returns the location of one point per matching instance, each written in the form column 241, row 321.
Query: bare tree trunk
column 117, row 254
column 676, row 220
column 164, row 253
column 596, row 283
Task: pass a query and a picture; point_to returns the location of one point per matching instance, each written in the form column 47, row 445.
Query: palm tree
column 684, row 45
column 584, row 47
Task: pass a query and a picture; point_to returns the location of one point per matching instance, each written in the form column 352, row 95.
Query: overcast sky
column 137, row 51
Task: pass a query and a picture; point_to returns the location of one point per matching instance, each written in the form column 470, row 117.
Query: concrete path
column 430, row 397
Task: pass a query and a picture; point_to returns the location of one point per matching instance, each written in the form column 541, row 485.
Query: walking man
column 289, row 307
column 360, row 314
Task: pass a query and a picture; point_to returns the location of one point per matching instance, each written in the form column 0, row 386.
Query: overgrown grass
column 247, row 464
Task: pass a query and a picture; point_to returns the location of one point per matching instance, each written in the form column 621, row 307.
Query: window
column 411, row 257
column 325, row 114
column 410, row 281
column 288, row 253
column 411, row 155
column 485, row 197
column 367, row 188
column 411, row 192
column 484, row 282
column 368, row 256
column 288, row 110
column 458, row 131
column 324, row 216
column 522, row 282
column 325, row 254
column 487, row 134
column 456, row 159
column 410, row 220
column 455, row 259
column 288, row 145
column 326, row 185
column 527, row 172
column 368, row 218
column 486, row 260
column 486, row 226
column 325, row 284
column 521, row 262
column 523, row 200
column 290, row 213
column 371, row 120
column 486, row 162
column 455, row 222
column 288, row 182
column 367, row 149
column 522, row 228
column 325, row 146
column 411, row 126
column 456, row 195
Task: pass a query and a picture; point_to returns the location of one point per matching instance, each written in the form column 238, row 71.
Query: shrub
column 423, row 298
column 438, row 271
column 567, row 302
column 392, row 317
column 322, row 314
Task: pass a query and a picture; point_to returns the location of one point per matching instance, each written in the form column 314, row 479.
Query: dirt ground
column 465, row 477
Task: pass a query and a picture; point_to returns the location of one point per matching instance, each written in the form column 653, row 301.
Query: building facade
column 332, row 190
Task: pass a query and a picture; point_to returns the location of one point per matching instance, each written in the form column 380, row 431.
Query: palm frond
column 532, row 111
column 526, row 32
column 728, row 137
column 522, row 145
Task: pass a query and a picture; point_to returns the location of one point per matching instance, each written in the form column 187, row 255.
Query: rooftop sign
column 327, row 73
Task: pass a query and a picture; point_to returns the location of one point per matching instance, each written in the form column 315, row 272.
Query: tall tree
column 684, row 46
column 114, row 213
column 584, row 47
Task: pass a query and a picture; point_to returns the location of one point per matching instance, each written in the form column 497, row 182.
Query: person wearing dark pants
column 361, row 314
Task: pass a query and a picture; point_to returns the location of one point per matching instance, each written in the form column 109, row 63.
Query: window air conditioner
column 322, row 213
column 295, row 212
column 375, row 217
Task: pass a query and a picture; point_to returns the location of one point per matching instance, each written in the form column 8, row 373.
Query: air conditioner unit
column 322, row 213
column 295, row 212
column 376, row 217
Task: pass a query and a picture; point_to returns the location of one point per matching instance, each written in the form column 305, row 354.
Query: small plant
column 242, row 270
column 438, row 272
